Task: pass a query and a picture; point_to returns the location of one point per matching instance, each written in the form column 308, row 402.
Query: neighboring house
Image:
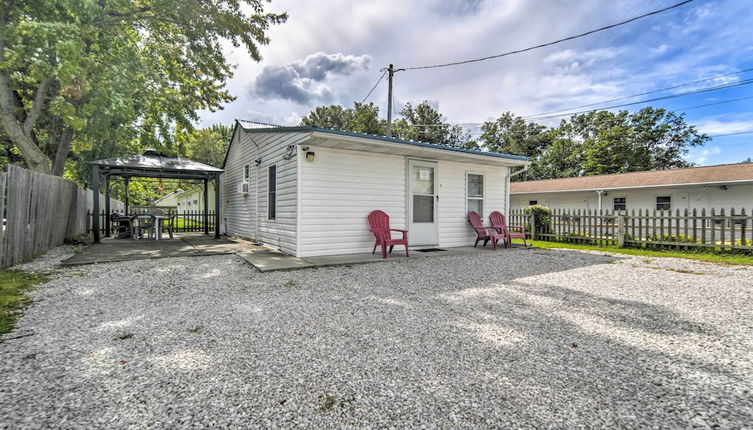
column 308, row 191
column 724, row 186
column 168, row 201
column 193, row 199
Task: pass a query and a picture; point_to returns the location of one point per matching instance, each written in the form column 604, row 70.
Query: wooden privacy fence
column 187, row 221
column 39, row 212
column 679, row 229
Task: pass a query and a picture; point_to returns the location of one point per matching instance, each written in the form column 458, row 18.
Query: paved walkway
column 263, row 259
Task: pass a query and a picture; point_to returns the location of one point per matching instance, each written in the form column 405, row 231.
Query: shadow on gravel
column 456, row 342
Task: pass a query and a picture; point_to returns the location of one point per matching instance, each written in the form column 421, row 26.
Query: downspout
column 507, row 187
column 257, row 162
column 599, row 192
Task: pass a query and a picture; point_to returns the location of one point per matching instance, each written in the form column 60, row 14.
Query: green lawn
column 181, row 224
column 722, row 258
column 12, row 299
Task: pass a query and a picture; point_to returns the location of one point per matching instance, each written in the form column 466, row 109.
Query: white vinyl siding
column 454, row 229
column 736, row 196
column 240, row 211
column 338, row 191
column 340, row 188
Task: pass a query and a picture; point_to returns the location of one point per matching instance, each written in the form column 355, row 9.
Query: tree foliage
column 421, row 122
column 595, row 143
column 361, row 118
column 424, row 123
column 75, row 74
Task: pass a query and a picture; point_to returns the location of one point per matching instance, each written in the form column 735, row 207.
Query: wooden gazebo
column 154, row 165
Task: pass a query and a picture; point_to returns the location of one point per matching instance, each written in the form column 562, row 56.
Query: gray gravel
column 529, row 339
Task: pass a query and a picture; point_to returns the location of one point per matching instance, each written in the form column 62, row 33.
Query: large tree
column 80, row 73
column 361, row 118
column 511, row 134
column 594, row 143
column 424, row 123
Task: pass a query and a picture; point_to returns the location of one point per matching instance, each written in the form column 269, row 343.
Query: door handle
column 437, row 197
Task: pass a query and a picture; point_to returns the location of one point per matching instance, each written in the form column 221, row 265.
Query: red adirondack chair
column 379, row 224
column 499, row 224
column 482, row 232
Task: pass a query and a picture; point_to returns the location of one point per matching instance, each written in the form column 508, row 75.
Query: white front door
column 422, row 203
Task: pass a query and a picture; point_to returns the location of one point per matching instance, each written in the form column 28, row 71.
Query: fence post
column 532, row 223
column 621, row 230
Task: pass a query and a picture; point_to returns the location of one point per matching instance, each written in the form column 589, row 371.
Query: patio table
column 158, row 219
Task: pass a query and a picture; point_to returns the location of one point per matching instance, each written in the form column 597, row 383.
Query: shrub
column 81, row 239
column 542, row 218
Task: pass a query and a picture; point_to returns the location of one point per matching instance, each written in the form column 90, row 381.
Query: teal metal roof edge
column 383, row 138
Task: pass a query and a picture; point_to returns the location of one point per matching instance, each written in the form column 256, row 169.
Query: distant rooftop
column 720, row 174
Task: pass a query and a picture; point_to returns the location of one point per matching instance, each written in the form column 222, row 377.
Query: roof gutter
column 417, row 146
column 518, row 172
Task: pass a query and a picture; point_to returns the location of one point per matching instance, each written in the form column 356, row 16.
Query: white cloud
column 713, row 126
column 689, row 43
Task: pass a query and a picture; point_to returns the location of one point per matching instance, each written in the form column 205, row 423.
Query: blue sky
column 332, row 52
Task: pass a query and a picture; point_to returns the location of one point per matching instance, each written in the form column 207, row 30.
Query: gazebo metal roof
column 155, row 165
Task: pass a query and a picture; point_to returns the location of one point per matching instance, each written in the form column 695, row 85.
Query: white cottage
column 307, row 191
column 709, row 187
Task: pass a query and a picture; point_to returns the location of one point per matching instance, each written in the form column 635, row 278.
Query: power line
column 374, row 87
column 732, row 134
column 715, row 103
column 642, row 94
column 518, row 51
column 688, row 93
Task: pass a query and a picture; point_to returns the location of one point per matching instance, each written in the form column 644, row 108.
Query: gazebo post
column 107, row 205
column 217, row 206
column 95, row 209
column 125, row 185
column 206, row 206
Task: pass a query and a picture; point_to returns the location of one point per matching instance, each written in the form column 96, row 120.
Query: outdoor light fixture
column 310, row 155
column 723, row 188
column 257, row 161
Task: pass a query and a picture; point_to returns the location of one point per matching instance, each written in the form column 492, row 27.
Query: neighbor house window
column 475, row 193
column 246, row 173
column 272, row 198
column 620, row 203
column 533, row 202
column 663, row 203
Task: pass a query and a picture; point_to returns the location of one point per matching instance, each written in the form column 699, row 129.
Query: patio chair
column 145, row 225
column 379, row 224
column 483, row 232
column 168, row 224
column 499, row 224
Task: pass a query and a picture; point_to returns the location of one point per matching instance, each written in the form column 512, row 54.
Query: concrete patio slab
column 183, row 245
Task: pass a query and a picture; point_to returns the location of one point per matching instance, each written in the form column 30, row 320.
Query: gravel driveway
column 530, row 339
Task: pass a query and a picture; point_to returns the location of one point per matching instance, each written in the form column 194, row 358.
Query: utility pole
column 390, row 72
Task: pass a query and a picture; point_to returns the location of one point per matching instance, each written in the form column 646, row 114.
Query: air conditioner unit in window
column 243, row 187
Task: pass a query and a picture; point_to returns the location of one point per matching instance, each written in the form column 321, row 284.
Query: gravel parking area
column 515, row 338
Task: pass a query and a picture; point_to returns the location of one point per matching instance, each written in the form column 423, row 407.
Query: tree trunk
column 33, row 155
column 64, row 147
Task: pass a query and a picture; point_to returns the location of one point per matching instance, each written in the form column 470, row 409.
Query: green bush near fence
column 13, row 286
column 542, row 218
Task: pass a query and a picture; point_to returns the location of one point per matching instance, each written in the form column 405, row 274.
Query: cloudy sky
column 332, row 51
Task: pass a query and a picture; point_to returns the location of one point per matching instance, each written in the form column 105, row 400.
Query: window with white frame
column 247, row 173
column 474, row 193
column 620, row 204
column 663, row 203
column 533, row 202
